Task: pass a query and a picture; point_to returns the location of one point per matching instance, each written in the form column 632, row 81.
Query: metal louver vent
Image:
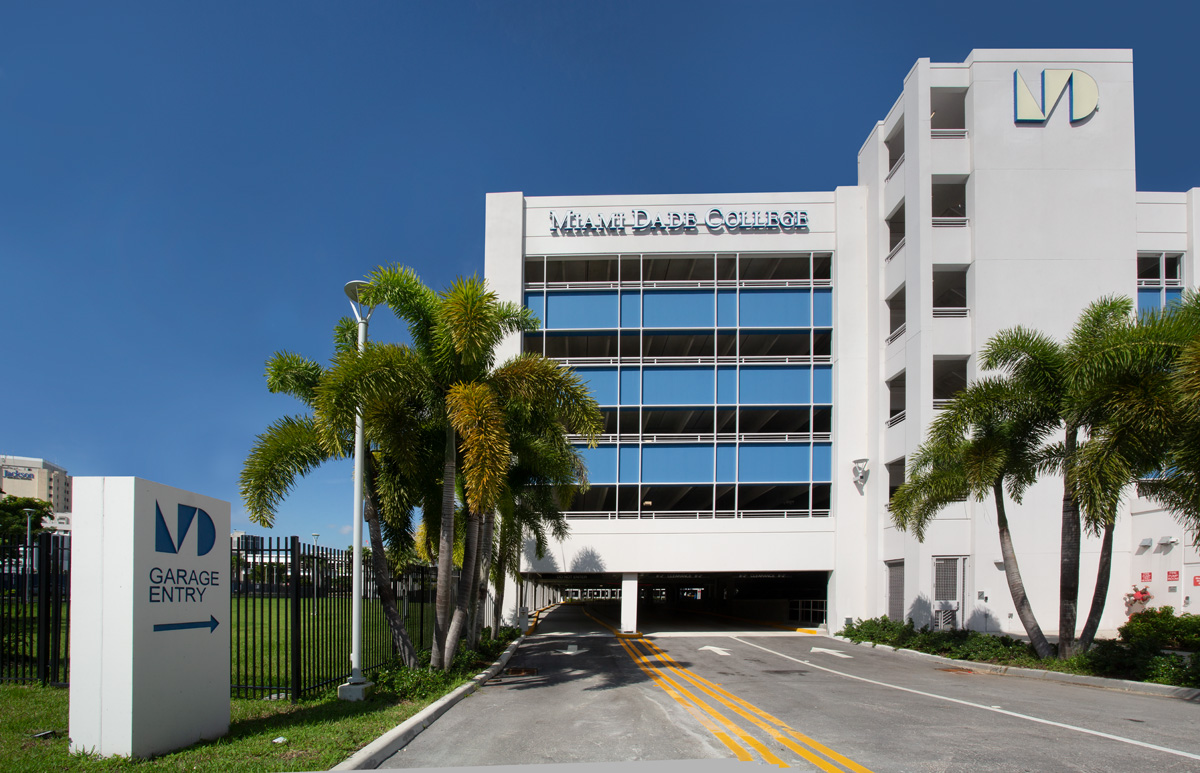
column 945, row 579
column 896, row 590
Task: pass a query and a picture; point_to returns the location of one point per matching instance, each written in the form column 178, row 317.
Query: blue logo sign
column 206, row 531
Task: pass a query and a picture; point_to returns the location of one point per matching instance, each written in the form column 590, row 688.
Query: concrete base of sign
column 355, row 691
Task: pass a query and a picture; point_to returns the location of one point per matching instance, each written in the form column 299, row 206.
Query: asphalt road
column 735, row 690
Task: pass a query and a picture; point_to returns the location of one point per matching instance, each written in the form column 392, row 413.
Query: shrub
column 879, row 630
column 414, row 683
column 1156, row 627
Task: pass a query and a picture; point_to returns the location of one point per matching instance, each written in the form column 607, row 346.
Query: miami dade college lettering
column 643, row 221
column 177, row 584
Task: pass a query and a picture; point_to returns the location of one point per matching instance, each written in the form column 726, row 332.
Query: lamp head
column 353, row 288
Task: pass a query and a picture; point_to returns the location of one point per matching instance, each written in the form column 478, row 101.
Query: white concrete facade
column 972, row 214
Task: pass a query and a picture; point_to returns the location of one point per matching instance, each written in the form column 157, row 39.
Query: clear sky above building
column 185, row 188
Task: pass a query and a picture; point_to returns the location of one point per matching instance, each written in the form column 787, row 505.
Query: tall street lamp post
column 357, row 687
column 29, row 511
column 316, row 537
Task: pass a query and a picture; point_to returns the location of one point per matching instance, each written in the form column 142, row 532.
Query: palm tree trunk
column 387, row 593
column 445, row 566
column 459, row 622
column 483, row 572
column 1068, row 577
column 383, row 574
column 500, row 576
column 1016, row 586
column 1103, row 575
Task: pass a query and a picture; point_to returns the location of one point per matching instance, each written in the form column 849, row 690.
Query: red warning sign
column 1196, row 580
column 1172, row 576
column 1147, row 576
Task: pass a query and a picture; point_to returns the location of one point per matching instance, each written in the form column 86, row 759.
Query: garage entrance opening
column 683, row 601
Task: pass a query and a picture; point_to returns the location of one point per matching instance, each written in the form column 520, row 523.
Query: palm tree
column 1144, row 374
column 293, row 446
column 985, row 441
column 1107, row 389
column 1050, row 373
column 455, row 335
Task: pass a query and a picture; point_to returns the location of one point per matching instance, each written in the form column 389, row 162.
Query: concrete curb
column 1121, row 685
column 369, row 757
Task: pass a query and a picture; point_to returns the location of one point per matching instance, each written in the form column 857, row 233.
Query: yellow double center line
column 698, row 696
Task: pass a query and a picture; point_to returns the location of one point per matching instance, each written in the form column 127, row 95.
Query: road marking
column 835, row 653
column 767, row 755
column 668, row 686
column 738, row 750
column 1039, row 720
column 663, row 681
column 572, row 649
column 719, row 650
column 705, row 685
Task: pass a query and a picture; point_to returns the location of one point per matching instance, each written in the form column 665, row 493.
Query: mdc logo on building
column 206, row 532
column 1083, row 96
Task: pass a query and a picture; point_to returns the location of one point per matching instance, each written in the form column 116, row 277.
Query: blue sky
column 185, row 187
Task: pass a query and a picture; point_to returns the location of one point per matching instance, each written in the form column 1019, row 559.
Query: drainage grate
column 520, row 672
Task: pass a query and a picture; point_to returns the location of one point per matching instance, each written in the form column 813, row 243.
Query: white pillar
column 629, row 602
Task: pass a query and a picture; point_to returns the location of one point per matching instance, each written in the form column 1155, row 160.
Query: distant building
column 250, row 543
column 23, row 476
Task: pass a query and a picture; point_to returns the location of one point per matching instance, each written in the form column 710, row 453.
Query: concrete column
column 629, row 602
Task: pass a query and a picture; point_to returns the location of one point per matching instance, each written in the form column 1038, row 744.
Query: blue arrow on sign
column 210, row 624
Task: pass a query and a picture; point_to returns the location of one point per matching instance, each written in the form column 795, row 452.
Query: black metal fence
column 35, row 609
column 290, row 616
column 290, row 608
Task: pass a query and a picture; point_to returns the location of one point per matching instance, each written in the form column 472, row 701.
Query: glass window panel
column 631, row 309
column 677, row 463
column 601, row 463
column 678, row 386
column 629, row 464
column 537, row 304
column 631, row 379
column 823, row 384
column 602, row 382
column 685, row 308
column 773, row 462
column 1149, row 299
column 726, row 463
column 823, row 307
column 776, row 308
column 775, row 385
column 581, row 310
column 726, row 308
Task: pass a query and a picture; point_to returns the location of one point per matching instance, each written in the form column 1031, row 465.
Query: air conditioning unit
column 944, row 619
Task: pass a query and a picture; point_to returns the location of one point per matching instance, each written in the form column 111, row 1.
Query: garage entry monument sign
column 150, row 580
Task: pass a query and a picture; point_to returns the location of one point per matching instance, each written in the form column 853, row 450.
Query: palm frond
column 289, row 449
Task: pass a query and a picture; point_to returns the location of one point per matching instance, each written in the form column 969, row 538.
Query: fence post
column 43, row 602
column 295, row 619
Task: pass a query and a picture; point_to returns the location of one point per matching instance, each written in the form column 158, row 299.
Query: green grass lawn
column 320, row 733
